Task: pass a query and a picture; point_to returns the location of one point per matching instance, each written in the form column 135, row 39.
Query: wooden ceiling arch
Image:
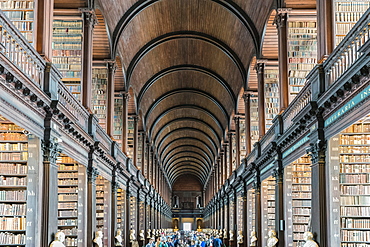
column 227, row 4
column 187, row 170
column 186, row 154
column 196, row 150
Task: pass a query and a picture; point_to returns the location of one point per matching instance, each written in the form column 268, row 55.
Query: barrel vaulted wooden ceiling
column 186, row 64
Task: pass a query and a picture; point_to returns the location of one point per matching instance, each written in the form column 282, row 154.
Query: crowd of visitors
column 185, row 239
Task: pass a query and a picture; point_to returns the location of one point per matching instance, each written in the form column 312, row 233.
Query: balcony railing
column 349, row 50
column 19, row 51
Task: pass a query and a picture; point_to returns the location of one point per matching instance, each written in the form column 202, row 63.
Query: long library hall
column 173, row 123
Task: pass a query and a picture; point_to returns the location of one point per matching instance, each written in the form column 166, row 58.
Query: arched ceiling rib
column 186, row 63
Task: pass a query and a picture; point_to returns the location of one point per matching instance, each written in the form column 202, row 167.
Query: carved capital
column 112, row 65
column 50, row 151
column 126, row 96
column 281, row 17
column 92, row 173
column 89, row 16
column 317, row 152
column 278, row 174
column 260, row 67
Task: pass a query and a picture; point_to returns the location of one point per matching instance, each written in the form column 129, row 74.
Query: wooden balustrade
column 349, row 50
column 19, row 52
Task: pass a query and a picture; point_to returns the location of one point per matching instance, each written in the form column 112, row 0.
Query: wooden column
column 320, row 204
column 110, row 97
column 127, row 218
column 279, row 201
column 92, row 173
column 247, row 107
column 49, row 212
column 225, row 166
column 227, row 222
column 113, row 227
column 237, row 139
column 260, row 67
column 258, row 208
column 281, row 21
column 89, row 20
column 44, row 28
column 245, row 216
column 136, row 139
column 231, row 156
column 325, row 29
column 126, row 98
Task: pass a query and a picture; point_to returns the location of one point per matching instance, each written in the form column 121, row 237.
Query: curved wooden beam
column 190, row 154
column 190, row 146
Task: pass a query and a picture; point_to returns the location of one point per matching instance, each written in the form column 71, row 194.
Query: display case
column 67, row 52
column 21, row 13
column 298, row 200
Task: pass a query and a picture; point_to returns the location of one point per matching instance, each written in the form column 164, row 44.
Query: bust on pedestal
column 118, row 238
column 272, row 240
column 58, row 240
column 231, row 235
column 141, row 235
column 148, row 233
column 240, row 237
column 308, row 237
column 132, row 236
column 98, row 240
column 253, row 238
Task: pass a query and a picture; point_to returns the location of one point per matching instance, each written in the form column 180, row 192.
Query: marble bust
column 58, row 241
column 272, row 240
column 132, row 236
column 308, row 237
column 118, row 238
column 98, row 240
column 240, row 237
column 253, row 238
column 141, row 235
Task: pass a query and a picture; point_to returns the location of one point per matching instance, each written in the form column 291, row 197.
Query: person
column 118, row 238
column 272, row 240
column 58, row 240
column 98, row 240
column 176, row 242
column 217, row 242
column 253, row 238
column 158, row 242
column 308, row 237
column 151, row 243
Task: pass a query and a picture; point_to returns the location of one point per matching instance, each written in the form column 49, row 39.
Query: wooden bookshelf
column 239, row 214
column 13, row 184
column 21, row 13
column 99, row 94
column 271, row 94
column 251, row 215
column 354, row 184
column 254, row 118
column 68, row 189
column 67, row 52
column 347, row 13
column 133, row 210
column 243, row 144
column 298, row 197
column 117, row 122
column 268, row 207
column 140, row 151
column 121, row 198
column 302, row 54
column 141, row 216
column 130, row 137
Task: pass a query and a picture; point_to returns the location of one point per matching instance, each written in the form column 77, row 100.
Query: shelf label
column 352, row 103
column 295, row 146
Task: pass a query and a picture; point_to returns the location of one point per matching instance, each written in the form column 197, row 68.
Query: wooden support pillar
column 136, row 139
column 92, row 173
column 231, row 156
column 320, row 204
column 258, row 207
column 226, row 163
column 143, row 150
column 281, row 21
column 279, row 201
column 127, row 218
column 89, row 20
column 49, row 213
column 126, row 98
column 113, row 227
column 237, row 139
column 110, row 97
column 245, row 216
column 260, row 67
column 44, row 28
column 325, row 29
